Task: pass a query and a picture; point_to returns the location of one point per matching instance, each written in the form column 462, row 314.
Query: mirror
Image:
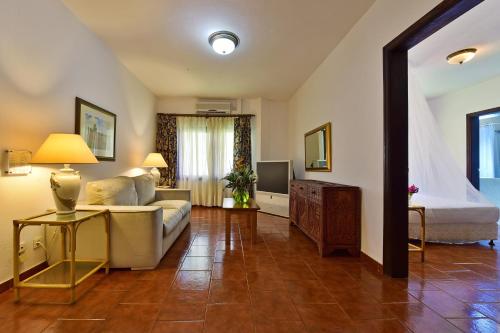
column 317, row 148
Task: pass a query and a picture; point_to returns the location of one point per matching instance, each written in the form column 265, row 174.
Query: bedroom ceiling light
column 223, row 42
column 462, row 56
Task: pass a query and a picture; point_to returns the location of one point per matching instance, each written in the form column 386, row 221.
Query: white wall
column 274, row 134
column 451, row 109
column 347, row 90
column 47, row 57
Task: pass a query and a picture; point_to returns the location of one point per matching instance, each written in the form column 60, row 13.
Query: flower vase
column 409, row 198
column 241, row 195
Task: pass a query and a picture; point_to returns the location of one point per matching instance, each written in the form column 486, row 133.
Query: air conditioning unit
column 213, row 107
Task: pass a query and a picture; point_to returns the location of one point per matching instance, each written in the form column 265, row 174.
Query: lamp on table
column 155, row 161
column 61, row 148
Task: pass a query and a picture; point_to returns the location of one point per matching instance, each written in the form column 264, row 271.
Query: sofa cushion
column 119, row 191
column 171, row 218
column 145, row 187
column 182, row 205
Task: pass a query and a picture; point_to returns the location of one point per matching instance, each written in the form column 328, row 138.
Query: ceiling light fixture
column 459, row 57
column 223, row 42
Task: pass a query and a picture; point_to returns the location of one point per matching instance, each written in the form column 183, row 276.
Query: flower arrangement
column 240, row 179
column 412, row 189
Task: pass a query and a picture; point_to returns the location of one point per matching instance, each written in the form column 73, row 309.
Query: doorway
column 483, row 152
column 395, row 247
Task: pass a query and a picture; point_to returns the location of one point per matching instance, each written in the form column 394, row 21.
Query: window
column 205, row 156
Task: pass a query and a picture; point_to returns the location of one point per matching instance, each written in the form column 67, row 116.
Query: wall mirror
column 318, row 149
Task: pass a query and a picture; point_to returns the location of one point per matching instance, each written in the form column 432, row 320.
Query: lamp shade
column 154, row 160
column 62, row 148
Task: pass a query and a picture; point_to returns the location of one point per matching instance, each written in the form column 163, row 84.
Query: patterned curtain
column 166, row 144
column 242, row 141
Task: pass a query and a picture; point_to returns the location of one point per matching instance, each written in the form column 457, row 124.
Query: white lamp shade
column 154, row 160
column 461, row 57
column 62, row 148
column 223, row 46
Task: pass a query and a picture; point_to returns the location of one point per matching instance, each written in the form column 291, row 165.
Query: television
column 274, row 176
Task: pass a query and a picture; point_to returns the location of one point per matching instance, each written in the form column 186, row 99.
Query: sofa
column 145, row 221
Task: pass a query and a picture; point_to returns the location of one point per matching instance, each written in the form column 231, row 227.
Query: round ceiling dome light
column 223, row 42
column 462, row 56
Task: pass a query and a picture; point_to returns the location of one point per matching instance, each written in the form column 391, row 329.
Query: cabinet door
column 301, row 210
column 314, row 220
column 341, row 213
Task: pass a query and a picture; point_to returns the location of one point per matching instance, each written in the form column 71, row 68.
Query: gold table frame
column 65, row 222
column 414, row 248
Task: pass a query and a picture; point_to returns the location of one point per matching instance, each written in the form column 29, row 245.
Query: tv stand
column 272, row 203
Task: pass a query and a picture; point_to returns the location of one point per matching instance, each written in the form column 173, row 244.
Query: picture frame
column 318, row 149
column 97, row 127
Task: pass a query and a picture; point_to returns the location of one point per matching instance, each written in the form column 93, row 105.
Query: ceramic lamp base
column 156, row 176
column 65, row 189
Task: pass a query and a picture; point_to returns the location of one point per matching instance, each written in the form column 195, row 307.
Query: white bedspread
column 439, row 210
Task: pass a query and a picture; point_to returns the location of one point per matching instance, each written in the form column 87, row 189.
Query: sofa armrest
column 136, row 236
column 173, row 194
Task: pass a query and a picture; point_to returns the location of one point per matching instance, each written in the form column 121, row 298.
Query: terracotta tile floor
column 277, row 285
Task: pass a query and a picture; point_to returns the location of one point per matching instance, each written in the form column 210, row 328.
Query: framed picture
column 97, row 127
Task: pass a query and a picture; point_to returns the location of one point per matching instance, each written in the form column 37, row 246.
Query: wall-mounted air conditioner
column 213, row 107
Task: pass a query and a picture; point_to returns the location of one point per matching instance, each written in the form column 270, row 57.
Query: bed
column 449, row 221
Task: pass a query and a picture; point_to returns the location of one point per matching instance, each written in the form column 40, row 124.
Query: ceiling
column 165, row 42
column 478, row 28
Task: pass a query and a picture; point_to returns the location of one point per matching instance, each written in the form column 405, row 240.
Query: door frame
column 472, row 129
column 395, row 54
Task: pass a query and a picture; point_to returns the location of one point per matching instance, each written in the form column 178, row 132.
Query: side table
column 414, row 248
column 66, row 273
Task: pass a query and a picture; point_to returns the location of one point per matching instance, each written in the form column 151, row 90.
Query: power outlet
column 22, row 248
column 37, row 242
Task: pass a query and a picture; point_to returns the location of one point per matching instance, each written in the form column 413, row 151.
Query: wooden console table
column 66, row 273
column 414, row 248
column 328, row 213
column 248, row 210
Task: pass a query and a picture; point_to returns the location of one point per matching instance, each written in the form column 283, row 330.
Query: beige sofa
column 145, row 221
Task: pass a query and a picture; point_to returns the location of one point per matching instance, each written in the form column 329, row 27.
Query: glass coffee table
column 65, row 273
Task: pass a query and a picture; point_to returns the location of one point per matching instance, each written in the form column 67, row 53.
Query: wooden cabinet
column 328, row 213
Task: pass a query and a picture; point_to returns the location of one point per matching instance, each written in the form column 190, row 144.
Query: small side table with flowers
column 412, row 189
column 414, row 248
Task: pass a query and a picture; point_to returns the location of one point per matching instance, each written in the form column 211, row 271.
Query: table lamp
column 154, row 161
column 61, row 148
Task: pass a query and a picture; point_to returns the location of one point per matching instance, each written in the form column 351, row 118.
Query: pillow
column 145, row 187
column 117, row 191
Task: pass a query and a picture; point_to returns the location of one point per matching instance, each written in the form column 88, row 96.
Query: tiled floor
column 277, row 285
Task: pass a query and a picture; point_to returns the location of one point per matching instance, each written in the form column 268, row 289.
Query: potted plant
column 240, row 179
column 412, row 189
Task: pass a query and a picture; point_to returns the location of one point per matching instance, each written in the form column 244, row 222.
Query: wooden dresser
column 330, row 214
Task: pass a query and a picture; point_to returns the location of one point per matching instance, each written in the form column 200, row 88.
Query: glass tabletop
column 66, row 218
column 60, row 273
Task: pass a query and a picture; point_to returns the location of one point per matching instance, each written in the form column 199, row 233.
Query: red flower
column 412, row 189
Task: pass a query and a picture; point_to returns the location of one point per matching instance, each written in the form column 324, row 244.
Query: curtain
column 432, row 166
column 486, row 151
column 166, row 145
column 205, row 147
column 242, row 141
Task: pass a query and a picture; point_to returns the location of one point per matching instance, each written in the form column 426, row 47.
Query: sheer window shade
column 205, row 156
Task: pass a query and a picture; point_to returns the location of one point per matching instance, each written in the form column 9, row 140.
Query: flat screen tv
column 274, row 176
